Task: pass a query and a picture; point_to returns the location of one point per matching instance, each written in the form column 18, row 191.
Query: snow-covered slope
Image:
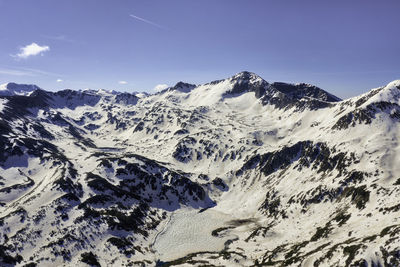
column 235, row 172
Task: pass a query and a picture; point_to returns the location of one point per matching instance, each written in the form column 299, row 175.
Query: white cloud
column 123, row 82
column 32, row 50
column 160, row 87
column 59, row 80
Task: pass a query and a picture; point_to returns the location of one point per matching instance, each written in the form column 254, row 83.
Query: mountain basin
column 190, row 231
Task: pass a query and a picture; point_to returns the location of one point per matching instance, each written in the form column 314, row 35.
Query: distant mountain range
column 10, row 89
column 235, row 172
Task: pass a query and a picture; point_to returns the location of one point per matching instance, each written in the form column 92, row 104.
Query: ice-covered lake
column 189, row 231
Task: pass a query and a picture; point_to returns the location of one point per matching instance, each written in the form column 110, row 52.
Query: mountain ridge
column 294, row 90
column 238, row 78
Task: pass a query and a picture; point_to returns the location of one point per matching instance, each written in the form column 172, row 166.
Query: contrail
column 147, row 21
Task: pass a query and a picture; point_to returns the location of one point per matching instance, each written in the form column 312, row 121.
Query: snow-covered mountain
column 235, row 172
column 9, row 89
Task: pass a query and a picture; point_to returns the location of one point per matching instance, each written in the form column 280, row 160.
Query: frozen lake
column 189, row 231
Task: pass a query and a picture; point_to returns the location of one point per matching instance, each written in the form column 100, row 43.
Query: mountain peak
column 246, row 75
column 180, row 87
column 395, row 83
column 10, row 89
column 248, row 82
column 389, row 93
column 183, row 87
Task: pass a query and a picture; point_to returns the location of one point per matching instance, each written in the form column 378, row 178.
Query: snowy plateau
column 235, row 172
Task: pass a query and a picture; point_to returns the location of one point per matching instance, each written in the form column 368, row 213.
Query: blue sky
column 345, row 47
